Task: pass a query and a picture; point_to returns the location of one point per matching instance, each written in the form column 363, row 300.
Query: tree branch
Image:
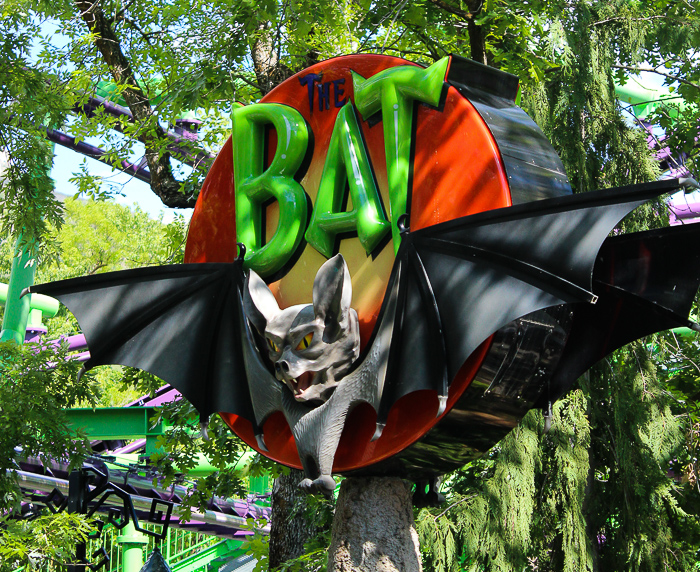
column 460, row 501
column 619, row 18
column 147, row 36
column 429, row 45
column 452, row 10
column 163, row 182
column 269, row 69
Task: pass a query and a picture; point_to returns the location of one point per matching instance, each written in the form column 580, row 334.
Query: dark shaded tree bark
column 477, row 39
column 289, row 530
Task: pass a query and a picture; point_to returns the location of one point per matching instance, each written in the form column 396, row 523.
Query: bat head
column 311, row 346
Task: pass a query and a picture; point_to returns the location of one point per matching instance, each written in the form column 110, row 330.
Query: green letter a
column 347, row 162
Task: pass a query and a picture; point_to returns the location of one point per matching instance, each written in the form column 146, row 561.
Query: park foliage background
column 613, row 485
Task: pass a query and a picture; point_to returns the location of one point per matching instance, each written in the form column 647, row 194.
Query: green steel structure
column 184, row 551
column 644, row 101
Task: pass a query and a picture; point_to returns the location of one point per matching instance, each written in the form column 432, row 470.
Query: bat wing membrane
column 461, row 281
column 178, row 322
column 646, row 283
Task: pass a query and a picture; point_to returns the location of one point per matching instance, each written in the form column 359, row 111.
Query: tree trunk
column 289, row 530
column 163, row 181
column 477, row 43
column 477, row 37
column 373, row 527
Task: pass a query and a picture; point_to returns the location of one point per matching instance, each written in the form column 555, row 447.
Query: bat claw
column 261, row 443
column 378, row 431
column 324, row 484
column 81, row 372
column 442, row 405
column 25, row 291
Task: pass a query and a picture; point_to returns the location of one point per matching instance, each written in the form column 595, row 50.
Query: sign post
column 373, row 527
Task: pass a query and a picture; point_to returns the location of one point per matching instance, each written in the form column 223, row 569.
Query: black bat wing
column 181, row 323
column 646, row 283
column 455, row 284
column 266, row 392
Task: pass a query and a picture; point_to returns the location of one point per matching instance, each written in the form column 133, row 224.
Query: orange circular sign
column 455, row 170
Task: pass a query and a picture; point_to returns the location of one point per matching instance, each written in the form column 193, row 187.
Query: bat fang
column 378, row 431
column 443, row 405
column 261, row 443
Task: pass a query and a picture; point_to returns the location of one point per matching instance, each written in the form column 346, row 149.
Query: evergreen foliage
column 633, row 504
column 598, row 496
column 491, row 509
column 581, row 115
column 592, row 493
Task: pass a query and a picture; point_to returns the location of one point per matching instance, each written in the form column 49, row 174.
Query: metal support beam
column 47, row 305
column 227, row 522
column 110, row 423
column 14, row 322
column 132, row 543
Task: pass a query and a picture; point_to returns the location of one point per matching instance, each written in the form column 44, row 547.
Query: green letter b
column 256, row 185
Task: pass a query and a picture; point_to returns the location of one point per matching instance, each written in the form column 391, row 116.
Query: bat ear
column 332, row 295
column 258, row 302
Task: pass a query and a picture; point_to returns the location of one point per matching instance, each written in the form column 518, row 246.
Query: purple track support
column 172, row 395
column 34, row 334
column 182, row 140
column 164, row 394
column 75, row 342
column 682, row 212
column 82, row 357
column 131, row 447
column 135, row 169
column 673, row 162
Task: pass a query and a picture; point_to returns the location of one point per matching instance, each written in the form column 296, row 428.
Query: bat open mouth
column 300, row 385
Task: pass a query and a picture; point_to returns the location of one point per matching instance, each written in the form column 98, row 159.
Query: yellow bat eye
column 305, row 341
column 273, row 345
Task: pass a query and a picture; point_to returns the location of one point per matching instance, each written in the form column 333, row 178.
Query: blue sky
column 67, row 162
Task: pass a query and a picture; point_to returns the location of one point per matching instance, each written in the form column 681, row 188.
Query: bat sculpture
column 483, row 316
column 215, row 332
